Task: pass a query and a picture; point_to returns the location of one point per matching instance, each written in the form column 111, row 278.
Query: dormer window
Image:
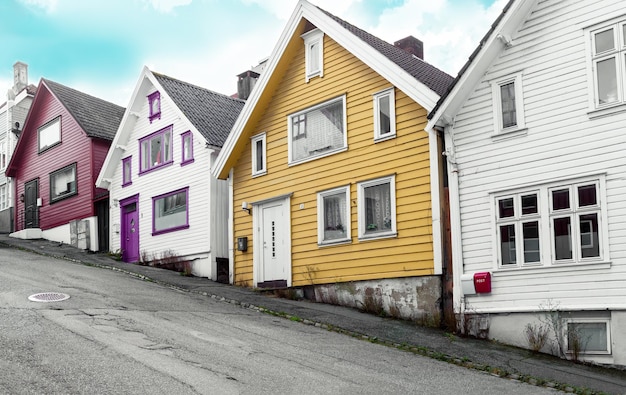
column 314, row 53
column 154, row 104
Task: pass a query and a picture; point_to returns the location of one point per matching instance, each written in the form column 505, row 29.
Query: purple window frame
column 175, row 228
column 129, row 181
column 169, row 128
column 154, row 113
column 185, row 160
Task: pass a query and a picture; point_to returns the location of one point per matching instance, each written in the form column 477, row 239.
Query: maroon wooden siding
column 75, row 147
column 100, row 148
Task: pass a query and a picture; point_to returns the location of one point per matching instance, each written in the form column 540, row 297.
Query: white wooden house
column 13, row 113
column 164, row 201
column 535, row 139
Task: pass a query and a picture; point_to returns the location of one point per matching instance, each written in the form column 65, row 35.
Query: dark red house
column 58, row 157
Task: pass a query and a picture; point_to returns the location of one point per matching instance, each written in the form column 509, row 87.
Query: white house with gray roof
column 165, row 204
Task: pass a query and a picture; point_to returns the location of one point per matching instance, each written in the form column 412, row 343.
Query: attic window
column 154, row 103
column 49, row 134
column 314, row 53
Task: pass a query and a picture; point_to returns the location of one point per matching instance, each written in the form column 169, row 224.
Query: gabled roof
column 98, row 118
column 489, row 48
column 210, row 114
column 426, row 73
column 213, row 114
column 419, row 80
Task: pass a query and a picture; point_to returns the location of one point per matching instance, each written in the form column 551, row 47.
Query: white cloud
column 282, row 9
column 450, row 30
column 166, row 6
column 48, row 6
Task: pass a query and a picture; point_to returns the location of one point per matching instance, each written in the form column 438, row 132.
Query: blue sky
column 100, row 46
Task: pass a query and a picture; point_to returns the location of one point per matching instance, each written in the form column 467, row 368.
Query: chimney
column 245, row 83
column 248, row 79
column 411, row 45
column 20, row 77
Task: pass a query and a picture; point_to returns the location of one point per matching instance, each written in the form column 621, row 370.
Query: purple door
column 130, row 230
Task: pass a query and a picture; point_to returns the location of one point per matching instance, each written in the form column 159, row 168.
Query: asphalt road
column 117, row 334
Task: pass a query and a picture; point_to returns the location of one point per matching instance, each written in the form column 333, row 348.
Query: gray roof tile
column 427, row 74
column 213, row 114
column 98, row 118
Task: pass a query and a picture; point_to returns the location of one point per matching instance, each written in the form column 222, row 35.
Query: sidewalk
column 510, row 362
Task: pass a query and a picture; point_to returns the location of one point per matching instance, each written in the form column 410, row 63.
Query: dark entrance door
column 31, row 211
column 102, row 212
column 130, row 231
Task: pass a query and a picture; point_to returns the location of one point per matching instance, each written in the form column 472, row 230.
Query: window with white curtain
column 377, row 208
column 317, row 131
column 333, row 216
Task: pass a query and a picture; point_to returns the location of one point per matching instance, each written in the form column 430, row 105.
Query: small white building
column 12, row 116
column 535, row 135
column 164, row 202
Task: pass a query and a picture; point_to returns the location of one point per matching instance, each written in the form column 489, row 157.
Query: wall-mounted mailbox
column 242, row 244
column 482, row 282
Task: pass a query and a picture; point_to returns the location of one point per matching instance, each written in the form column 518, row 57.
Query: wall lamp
column 245, row 207
column 22, row 198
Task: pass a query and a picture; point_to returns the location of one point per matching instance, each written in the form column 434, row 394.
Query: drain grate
column 46, row 297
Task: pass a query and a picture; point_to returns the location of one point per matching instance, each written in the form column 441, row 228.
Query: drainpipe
column 231, row 228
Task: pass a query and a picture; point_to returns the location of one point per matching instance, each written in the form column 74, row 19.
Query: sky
column 100, row 46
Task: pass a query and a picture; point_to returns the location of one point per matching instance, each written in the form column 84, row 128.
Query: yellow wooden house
column 334, row 183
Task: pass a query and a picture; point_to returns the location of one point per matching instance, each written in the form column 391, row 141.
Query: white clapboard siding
column 562, row 142
column 197, row 239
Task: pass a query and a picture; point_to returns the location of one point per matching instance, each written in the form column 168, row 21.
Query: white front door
column 273, row 252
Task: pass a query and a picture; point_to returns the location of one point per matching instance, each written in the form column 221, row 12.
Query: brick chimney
column 411, row 45
column 20, row 77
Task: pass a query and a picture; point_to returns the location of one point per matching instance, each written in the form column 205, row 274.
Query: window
column 258, row 155
column 156, row 149
column 49, row 134
column 384, row 114
column 3, row 197
column 588, row 336
column 333, row 216
column 3, row 155
column 314, row 53
column 127, row 174
column 170, row 212
column 317, row 131
column 377, row 208
column 63, row 183
column 187, row 138
column 608, row 63
column 154, row 106
column 575, row 216
column 518, row 215
column 508, row 105
column 562, row 222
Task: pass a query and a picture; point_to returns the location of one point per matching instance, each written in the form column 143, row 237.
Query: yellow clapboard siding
column 406, row 157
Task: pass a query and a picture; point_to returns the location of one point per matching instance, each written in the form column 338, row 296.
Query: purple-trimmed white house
column 164, row 200
column 534, row 140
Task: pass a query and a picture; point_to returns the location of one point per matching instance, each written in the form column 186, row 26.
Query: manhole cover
column 48, row 297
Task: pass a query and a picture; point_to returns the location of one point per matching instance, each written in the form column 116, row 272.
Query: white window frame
column 390, row 93
column 519, row 104
column 4, row 198
column 518, row 220
column 321, row 215
column 49, row 134
column 3, row 154
column 322, row 154
column 254, row 141
column 362, row 225
column 606, row 322
column 68, row 176
column 546, row 227
column 618, row 53
column 313, row 50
